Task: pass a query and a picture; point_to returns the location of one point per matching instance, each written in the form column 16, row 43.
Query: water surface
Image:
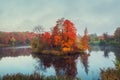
column 20, row 60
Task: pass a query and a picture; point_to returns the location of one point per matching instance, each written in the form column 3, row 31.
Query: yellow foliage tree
column 35, row 45
column 13, row 40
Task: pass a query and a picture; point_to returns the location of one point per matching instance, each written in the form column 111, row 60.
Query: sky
column 99, row 16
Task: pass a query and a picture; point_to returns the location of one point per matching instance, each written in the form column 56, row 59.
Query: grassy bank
column 111, row 73
column 36, row 76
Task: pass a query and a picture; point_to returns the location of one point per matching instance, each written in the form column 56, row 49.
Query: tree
column 64, row 35
column 105, row 35
column 39, row 30
column 56, row 36
column 69, row 31
column 117, row 34
column 35, row 44
column 69, row 36
column 39, row 44
column 84, row 40
column 13, row 40
column 46, row 39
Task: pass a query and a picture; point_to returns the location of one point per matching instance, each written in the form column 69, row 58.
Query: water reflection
column 117, row 53
column 86, row 66
column 84, row 61
column 16, row 60
column 62, row 65
column 14, row 51
column 105, row 49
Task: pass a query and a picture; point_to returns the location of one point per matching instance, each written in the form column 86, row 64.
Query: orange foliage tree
column 63, row 35
column 69, row 36
column 56, row 36
column 84, row 41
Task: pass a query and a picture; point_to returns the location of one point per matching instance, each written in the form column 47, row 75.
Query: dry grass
column 36, row 76
column 110, row 74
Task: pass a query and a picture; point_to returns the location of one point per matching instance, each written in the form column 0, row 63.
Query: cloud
column 98, row 16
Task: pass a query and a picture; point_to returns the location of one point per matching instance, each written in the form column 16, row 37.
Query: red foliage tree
column 56, row 36
column 46, row 38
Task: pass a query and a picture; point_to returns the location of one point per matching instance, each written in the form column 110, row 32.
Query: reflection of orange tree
column 84, row 60
column 63, row 65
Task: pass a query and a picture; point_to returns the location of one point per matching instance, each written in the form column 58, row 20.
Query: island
column 61, row 40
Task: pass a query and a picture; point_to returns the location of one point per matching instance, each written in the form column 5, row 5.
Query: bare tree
column 117, row 34
column 38, row 29
column 60, row 23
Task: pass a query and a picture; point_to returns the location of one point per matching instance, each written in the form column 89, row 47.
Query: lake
column 21, row 60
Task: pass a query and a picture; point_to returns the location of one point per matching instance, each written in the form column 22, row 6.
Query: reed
column 36, row 76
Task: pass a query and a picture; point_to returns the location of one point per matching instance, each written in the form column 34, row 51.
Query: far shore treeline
column 15, row 38
column 24, row 38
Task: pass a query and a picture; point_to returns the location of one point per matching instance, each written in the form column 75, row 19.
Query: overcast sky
column 98, row 16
